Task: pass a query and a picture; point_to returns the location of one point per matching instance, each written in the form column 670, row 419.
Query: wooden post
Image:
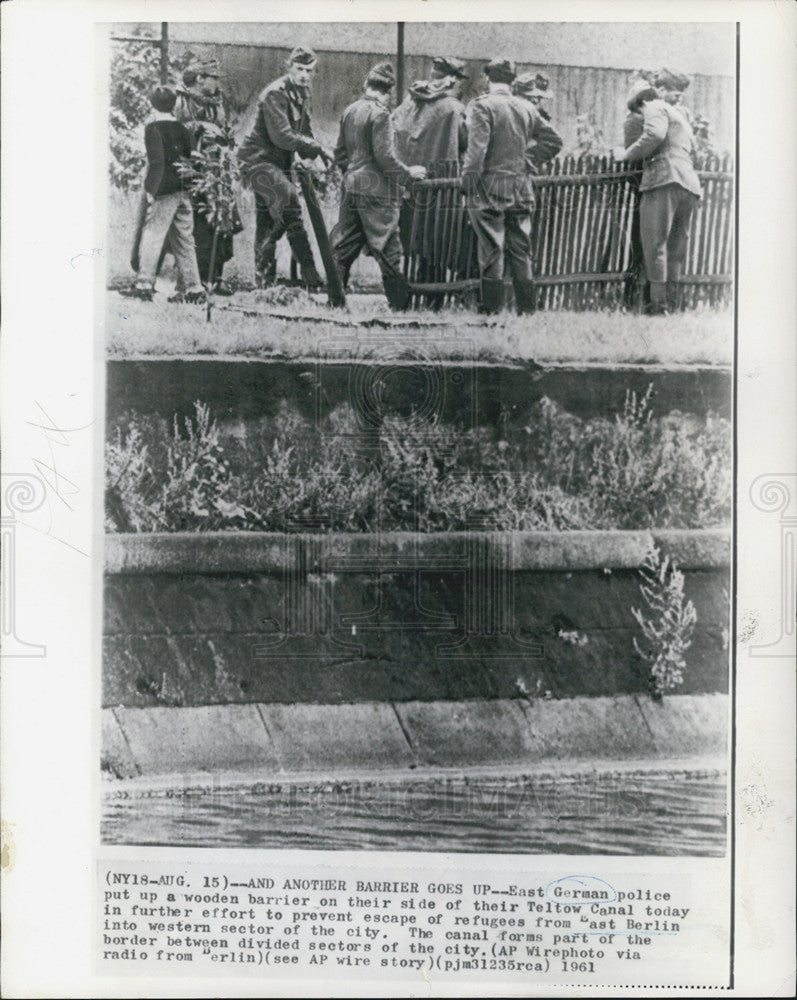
column 400, row 64
column 164, row 47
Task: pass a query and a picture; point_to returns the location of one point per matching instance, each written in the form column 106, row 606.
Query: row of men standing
column 500, row 140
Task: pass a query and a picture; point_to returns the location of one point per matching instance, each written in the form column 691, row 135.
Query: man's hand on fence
column 417, row 172
column 618, row 152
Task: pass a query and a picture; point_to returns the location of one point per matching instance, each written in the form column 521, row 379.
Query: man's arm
column 478, row 140
column 547, row 141
column 274, row 110
column 654, row 132
column 341, row 152
column 632, row 128
column 156, row 160
column 383, row 144
column 462, row 131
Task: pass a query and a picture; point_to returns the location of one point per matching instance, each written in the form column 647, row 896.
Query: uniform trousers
column 366, row 221
column 664, row 215
column 278, row 213
column 500, row 234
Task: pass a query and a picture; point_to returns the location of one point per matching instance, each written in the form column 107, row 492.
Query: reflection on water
column 669, row 812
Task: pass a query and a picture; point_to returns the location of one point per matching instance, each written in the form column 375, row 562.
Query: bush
column 409, row 473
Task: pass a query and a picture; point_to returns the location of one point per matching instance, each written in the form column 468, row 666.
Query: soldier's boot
column 525, row 296
column 658, row 299
column 300, row 244
column 265, row 264
column 673, row 296
column 397, row 291
column 343, row 272
column 492, row 295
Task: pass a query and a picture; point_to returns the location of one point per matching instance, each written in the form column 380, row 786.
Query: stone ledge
column 243, row 552
column 278, row 741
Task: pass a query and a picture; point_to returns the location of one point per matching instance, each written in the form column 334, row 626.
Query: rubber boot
column 397, row 291
column 492, row 295
column 525, row 296
column 658, row 299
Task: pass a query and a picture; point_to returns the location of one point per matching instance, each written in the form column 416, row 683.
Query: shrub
column 667, row 622
column 415, row 474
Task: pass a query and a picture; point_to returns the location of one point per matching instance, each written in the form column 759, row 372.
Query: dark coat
column 366, row 152
column 282, row 128
column 430, row 127
column 501, row 127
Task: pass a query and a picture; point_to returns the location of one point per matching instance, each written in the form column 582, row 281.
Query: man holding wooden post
column 282, row 128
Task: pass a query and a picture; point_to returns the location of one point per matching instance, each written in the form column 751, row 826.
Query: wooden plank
column 335, row 292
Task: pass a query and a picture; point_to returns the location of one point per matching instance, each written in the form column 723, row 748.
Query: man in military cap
column 535, row 87
column 430, row 131
column 546, row 142
column 373, row 180
column 669, row 190
column 498, row 188
column 281, row 129
column 430, row 122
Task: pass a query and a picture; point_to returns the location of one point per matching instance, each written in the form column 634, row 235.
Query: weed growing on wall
column 667, row 622
column 558, row 473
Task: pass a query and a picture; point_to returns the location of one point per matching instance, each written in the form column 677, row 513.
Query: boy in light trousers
column 168, row 203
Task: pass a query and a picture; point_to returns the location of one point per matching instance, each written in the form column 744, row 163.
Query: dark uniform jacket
column 500, row 128
column 665, row 146
column 366, row 152
column 279, row 130
column 430, row 127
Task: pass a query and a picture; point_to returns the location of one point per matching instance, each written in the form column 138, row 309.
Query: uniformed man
column 430, row 131
column 373, row 180
column 498, row 186
column 669, row 191
column 546, row 142
column 281, row 129
column 430, row 122
column 200, row 108
column 537, row 90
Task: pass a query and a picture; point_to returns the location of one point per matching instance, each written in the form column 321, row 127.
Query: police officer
column 669, row 190
column 430, row 131
column 373, row 180
column 536, row 88
column 430, row 122
column 546, row 142
column 498, row 186
column 281, row 129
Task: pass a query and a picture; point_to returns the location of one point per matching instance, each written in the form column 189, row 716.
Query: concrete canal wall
column 200, row 619
column 471, row 393
column 283, row 740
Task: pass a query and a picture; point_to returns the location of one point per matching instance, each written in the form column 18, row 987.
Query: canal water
column 666, row 812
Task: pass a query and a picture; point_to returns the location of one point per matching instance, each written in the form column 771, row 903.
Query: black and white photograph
column 418, row 440
column 398, row 498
